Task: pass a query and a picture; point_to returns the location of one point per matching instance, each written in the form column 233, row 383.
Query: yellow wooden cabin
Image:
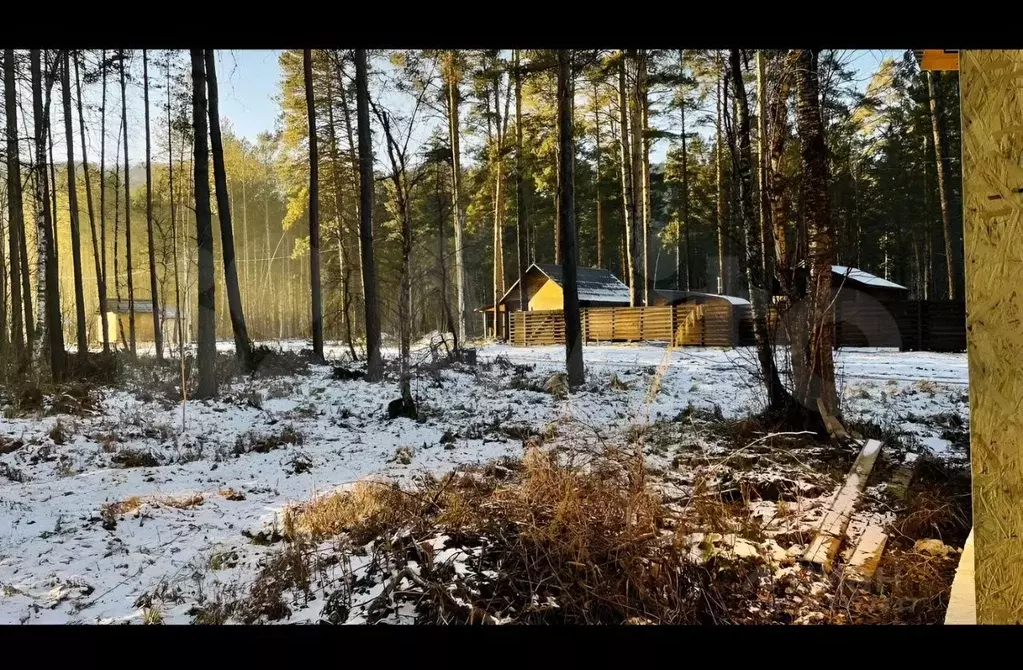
column 118, row 326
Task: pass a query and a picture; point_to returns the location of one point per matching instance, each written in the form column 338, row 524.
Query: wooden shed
column 544, row 292
column 118, row 327
column 740, row 308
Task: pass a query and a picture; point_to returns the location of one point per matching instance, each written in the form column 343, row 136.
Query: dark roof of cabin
column 141, row 307
column 594, row 284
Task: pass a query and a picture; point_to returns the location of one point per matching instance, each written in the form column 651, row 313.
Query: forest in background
column 886, row 197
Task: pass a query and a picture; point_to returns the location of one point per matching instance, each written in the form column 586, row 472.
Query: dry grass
column 592, row 538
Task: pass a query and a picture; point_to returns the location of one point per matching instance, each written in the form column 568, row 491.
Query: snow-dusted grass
column 65, row 555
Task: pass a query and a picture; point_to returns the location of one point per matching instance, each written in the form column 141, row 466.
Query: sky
column 249, row 81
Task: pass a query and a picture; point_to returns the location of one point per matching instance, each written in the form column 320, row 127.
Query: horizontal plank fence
column 909, row 325
column 708, row 325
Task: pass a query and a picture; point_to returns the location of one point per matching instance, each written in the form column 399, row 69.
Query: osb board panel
column 992, row 110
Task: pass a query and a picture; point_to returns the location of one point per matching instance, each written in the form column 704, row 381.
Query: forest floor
column 294, row 498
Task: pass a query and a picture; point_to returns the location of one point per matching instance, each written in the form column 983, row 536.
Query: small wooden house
column 118, row 326
column 544, row 291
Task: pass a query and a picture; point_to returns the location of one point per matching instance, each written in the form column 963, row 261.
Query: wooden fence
column 909, row 325
column 708, row 325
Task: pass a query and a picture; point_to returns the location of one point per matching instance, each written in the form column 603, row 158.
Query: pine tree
column 207, row 344
column 566, row 210
column 314, row 209
column 72, row 192
column 157, row 317
column 374, row 363
column 15, row 219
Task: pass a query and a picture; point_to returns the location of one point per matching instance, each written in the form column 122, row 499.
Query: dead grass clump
column 77, row 398
column 126, row 506
column 550, row 542
column 134, row 458
column 363, row 511
column 269, row 362
column 261, row 443
column 938, row 506
column 184, row 502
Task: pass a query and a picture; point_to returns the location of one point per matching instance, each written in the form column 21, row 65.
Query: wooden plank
column 867, row 555
column 828, row 538
column 992, row 113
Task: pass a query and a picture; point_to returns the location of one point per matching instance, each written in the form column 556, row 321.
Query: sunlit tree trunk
column 207, row 344
column 314, row 208
column 16, row 220
column 127, row 208
column 939, row 159
column 243, row 347
column 521, row 223
column 101, row 280
column 569, row 250
column 49, row 335
column 374, row 363
column 157, row 317
column 72, row 194
column 628, row 192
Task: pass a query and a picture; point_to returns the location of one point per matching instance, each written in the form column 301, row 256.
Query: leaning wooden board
column 828, row 538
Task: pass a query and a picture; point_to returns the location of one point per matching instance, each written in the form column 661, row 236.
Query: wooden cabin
column 544, row 291
column 118, row 326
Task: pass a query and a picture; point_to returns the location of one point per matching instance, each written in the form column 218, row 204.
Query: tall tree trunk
column 335, row 170
column 117, row 237
column 640, row 232
column 937, row 128
column 776, row 181
column 314, row 208
column 818, row 381
column 47, row 295
column 722, row 222
column 521, row 225
column 569, row 250
column 644, row 111
column 178, row 313
column 243, row 346
column 103, row 192
column 374, row 363
column 127, row 209
column 628, row 192
column 157, row 317
column 759, row 289
column 766, row 231
column 596, row 178
column 72, row 195
column 686, row 225
column 49, row 67
column 16, row 217
column 207, row 338
column 101, row 280
column 454, row 100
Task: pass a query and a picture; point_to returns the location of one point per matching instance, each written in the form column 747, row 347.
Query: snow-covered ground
column 63, row 560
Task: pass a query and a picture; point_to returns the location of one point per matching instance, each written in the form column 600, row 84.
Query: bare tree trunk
column 72, row 194
column 157, row 317
column 243, row 346
column 640, row 232
column 596, row 178
column 335, row 169
column 644, row 111
column 818, row 383
column 207, row 339
column 720, row 180
column 47, row 295
column 314, row 208
column 178, row 314
column 117, row 236
column 127, row 209
column 628, row 192
column 16, row 217
column 939, row 159
column 521, row 224
column 569, row 250
column 374, row 363
column 759, row 290
column 454, row 99
column 101, row 280
column 767, row 239
column 103, row 192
